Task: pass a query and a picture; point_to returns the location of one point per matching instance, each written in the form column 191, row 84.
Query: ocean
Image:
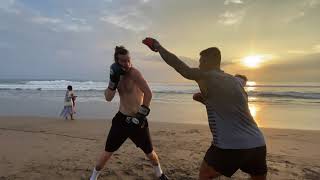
column 286, row 105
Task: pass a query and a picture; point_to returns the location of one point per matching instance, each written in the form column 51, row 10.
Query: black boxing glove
column 142, row 114
column 115, row 72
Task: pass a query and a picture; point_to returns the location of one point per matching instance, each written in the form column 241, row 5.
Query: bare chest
column 127, row 85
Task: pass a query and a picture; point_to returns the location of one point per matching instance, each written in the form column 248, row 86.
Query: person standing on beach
column 237, row 142
column 68, row 109
column 131, row 120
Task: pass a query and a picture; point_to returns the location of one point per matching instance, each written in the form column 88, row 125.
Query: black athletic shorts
column 121, row 130
column 228, row 161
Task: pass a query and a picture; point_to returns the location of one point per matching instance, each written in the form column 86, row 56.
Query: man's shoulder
column 134, row 72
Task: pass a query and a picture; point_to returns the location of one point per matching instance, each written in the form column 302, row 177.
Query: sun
column 253, row 61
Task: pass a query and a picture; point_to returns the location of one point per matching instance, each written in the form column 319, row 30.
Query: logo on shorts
column 135, row 120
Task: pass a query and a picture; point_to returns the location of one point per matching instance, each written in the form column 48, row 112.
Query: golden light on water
column 252, row 98
column 253, row 110
column 250, row 85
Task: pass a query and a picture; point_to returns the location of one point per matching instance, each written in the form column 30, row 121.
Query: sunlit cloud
column 227, row 2
column 297, row 52
column 313, row 50
column 122, row 21
column 294, row 17
column 311, row 3
column 231, row 18
column 129, row 19
column 316, row 48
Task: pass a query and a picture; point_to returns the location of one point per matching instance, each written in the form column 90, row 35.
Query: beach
column 37, row 144
column 52, row 148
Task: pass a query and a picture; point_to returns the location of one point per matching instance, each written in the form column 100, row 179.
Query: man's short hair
column 214, row 54
column 119, row 50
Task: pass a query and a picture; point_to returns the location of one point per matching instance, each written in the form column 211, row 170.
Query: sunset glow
column 253, row 61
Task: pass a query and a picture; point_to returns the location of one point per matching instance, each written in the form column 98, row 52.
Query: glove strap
column 144, row 110
column 112, row 85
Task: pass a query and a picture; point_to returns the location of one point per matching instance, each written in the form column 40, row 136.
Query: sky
column 75, row 39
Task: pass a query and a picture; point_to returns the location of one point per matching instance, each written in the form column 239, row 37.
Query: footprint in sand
column 191, row 131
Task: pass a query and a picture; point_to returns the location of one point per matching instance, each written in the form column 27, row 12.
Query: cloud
column 130, row 18
column 294, row 17
column 45, row 20
column 4, row 45
column 313, row 50
column 303, row 8
column 59, row 25
column 311, row 3
column 8, row 6
column 296, row 51
column 74, row 28
column 227, row 2
column 316, row 48
column 231, row 18
column 295, row 68
column 145, row 1
column 124, row 22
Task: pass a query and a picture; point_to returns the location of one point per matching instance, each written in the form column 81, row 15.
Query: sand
column 48, row 148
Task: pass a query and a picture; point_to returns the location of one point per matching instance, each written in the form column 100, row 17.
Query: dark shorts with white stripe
column 228, row 161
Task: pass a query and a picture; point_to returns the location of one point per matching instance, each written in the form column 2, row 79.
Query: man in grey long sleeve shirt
column 237, row 142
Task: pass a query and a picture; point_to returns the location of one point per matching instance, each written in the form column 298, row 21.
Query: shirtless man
column 131, row 120
column 237, row 142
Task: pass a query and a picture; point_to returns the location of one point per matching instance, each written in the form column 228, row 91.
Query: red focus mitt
column 150, row 42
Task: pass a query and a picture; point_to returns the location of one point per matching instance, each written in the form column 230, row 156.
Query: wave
column 289, row 94
column 276, row 91
column 53, row 85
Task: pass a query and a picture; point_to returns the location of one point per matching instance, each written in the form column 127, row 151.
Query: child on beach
column 69, row 104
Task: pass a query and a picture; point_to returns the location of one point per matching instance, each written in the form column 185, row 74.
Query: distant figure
column 242, row 79
column 69, row 104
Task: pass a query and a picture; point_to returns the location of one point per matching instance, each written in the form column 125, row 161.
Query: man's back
column 229, row 116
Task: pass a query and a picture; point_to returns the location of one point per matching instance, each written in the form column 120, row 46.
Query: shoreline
column 107, row 119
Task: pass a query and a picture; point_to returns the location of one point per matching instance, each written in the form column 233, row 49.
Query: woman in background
column 69, row 104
